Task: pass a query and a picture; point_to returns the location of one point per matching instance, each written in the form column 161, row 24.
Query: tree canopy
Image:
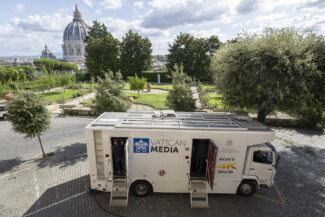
column 272, row 71
column 97, row 30
column 109, row 94
column 49, row 65
column 135, row 54
column 137, row 84
column 102, row 55
column 180, row 97
column 194, row 54
column 28, row 115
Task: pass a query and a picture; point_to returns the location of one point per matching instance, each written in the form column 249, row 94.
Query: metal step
column 198, row 194
column 119, row 193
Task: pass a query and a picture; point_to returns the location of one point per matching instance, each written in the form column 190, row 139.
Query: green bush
column 82, row 76
column 109, row 94
column 137, row 84
column 50, row 65
column 151, row 76
column 180, row 97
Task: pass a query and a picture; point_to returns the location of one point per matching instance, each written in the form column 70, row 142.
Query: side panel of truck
column 166, row 163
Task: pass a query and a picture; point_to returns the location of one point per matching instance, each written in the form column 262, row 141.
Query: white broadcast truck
column 178, row 152
column 3, row 113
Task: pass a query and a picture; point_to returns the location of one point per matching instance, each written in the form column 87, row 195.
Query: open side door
column 120, row 187
column 211, row 165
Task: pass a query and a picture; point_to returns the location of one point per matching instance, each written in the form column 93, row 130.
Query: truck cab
column 261, row 163
column 3, row 113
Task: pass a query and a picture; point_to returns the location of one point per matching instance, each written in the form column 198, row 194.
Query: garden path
column 195, row 95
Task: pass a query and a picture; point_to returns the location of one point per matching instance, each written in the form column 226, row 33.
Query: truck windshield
column 264, row 157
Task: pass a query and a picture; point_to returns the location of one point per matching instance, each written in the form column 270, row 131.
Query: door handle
column 252, row 168
column 270, row 169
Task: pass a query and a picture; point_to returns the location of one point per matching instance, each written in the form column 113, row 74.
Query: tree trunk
column 138, row 93
column 261, row 115
column 40, row 142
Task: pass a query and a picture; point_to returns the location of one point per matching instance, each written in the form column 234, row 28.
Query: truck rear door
column 212, row 157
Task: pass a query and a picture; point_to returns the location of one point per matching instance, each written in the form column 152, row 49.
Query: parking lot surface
column 59, row 186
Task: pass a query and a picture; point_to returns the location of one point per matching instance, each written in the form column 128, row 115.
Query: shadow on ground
column 8, row 165
column 298, row 180
column 65, row 156
column 311, row 132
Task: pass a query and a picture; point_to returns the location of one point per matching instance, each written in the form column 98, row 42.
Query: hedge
column 165, row 77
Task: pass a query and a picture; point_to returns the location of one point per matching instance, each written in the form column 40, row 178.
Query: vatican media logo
column 140, row 145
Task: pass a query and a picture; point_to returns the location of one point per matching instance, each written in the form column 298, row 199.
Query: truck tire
column 5, row 117
column 247, row 188
column 141, row 188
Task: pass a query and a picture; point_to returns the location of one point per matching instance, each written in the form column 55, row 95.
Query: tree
column 102, row 55
column 28, row 115
column 64, row 80
column 97, row 30
column 180, row 97
column 267, row 72
column 137, row 83
column 194, row 54
column 49, row 65
column 109, row 94
column 135, row 54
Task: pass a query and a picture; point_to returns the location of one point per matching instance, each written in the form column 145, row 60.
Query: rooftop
column 175, row 120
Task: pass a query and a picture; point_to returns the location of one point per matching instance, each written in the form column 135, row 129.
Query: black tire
column 141, row 188
column 5, row 117
column 247, row 188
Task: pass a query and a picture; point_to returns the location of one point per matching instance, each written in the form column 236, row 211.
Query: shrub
column 28, row 115
column 109, row 94
column 137, row 83
column 151, row 76
column 180, row 97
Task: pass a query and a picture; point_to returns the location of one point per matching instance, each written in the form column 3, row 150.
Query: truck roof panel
column 171, row 120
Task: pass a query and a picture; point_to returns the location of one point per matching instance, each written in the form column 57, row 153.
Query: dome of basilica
column 74, row 36
column 77, row 29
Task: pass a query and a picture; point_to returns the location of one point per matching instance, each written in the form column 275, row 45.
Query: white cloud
column 20, row 8
column 46, row 23
column 170, row 13
column 89, row 3
column 138, row 4
column 119, row 27
column 27, row 36
column 98, row 11
column 111, row 4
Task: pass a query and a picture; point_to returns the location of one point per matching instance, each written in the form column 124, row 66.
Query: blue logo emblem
column 140, row 145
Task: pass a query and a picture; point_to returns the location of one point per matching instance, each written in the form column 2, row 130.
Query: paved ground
column 59, row 185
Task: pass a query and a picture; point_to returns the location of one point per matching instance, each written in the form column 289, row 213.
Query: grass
column 161, row 86
column 155, row 100
column 57, row 95
column 209, row 88
column 216, row 100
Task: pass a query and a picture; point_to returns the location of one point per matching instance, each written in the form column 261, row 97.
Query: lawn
column 215, row 100
column 209, row 88
column 161, row 86
column 57, row 95
column 155, row 100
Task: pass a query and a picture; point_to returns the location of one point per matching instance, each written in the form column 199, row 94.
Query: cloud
column 138, row 4
column 89, row 3
column 46, row 23
column 247, row 6
column 111, row 4
column 119, row 27
column 20, row 8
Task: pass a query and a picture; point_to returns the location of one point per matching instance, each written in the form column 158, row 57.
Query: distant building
column 75, row 33
column 47, row 53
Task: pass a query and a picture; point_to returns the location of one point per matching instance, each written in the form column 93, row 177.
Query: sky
column 26, row 26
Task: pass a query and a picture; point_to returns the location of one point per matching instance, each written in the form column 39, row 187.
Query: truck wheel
column 5, row 117
column 141, row 188
column 247, row 187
